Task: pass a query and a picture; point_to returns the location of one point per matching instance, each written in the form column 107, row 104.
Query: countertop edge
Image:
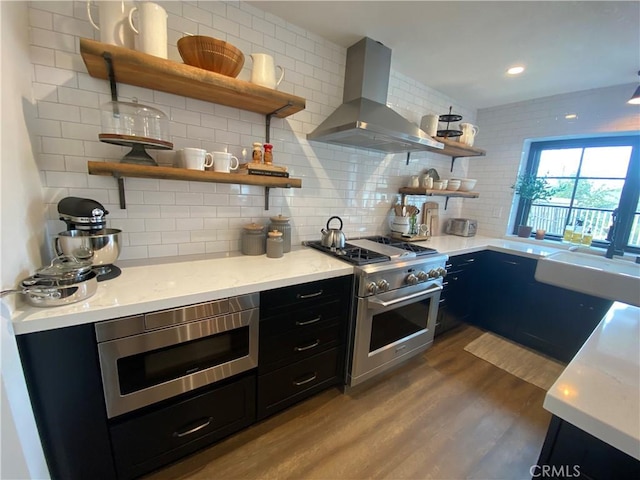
column 599, row 389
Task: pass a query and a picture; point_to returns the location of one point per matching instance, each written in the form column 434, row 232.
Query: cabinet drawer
column 288, row 385
column 147, row 442
column 281, row 300
column 304, row 319
column 294, row 346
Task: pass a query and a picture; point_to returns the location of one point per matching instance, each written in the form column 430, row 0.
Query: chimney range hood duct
column 363, row 120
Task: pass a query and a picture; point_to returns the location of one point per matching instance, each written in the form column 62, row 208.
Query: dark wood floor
column 443, row 415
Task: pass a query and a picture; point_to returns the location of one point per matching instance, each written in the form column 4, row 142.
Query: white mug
column 152, row 28
column 195, row 158
column 429, row 124
column 264, row 70
column 113, row 27
column 224, row 162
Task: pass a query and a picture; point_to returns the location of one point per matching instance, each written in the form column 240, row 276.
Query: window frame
column 628, row 196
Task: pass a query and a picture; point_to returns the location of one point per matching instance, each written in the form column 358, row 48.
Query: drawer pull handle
column 309, row 322
column 205, row 424
column 309, row 295
column 307, row 347
column 313, row 376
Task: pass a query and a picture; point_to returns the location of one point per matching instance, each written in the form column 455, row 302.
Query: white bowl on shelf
column 453, row 185
column 467, row 184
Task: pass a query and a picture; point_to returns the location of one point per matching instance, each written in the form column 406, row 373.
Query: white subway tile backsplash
column 189, row 199
column 163, row 250
column 159, row 198
column 191, row 248
column 51, row 39
column 62, row 146
column 65, row 179
column 58, row 111
column 189, row 224
column 52, row 162
column 166, row 217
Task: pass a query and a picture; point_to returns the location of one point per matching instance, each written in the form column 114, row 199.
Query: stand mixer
column 87, row 237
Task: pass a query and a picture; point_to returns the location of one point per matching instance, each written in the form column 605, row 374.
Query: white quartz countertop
column 599, row 391
column 146, row 286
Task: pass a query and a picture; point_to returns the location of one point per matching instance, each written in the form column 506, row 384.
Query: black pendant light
column 635, row 98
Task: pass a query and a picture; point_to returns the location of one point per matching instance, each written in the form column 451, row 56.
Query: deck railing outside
column 552, row 220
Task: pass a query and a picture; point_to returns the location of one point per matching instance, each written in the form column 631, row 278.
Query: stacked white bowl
column 453, row 184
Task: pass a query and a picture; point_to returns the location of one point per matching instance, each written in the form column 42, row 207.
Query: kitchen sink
column 592, row 274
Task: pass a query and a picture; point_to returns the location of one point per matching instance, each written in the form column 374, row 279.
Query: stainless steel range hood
column 363, row 120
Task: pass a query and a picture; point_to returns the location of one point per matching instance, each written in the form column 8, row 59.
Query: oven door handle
column 376, row 302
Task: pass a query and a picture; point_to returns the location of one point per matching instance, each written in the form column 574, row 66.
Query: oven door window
column 398, row 323
column 153, row 367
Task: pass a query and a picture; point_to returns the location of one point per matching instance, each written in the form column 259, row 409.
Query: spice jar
column 281, row 224
column 257, row 152
column 268, row 154
column 274, row 244
column 253, row 239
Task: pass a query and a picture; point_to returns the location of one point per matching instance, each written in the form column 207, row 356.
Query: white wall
column 167, row 218
column 505, row 129
column 21, row 238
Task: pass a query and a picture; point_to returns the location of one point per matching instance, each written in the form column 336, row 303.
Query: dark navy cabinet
column 569, row 452
column 512, row 303
column 303, row 332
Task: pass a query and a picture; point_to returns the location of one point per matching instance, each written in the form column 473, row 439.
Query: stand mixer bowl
column 101, row 247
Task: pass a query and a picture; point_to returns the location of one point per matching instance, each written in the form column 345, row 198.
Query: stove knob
column 372, row 288
column 412, row 279
column 383, row 285
column 422, row 276
column 433, row 273
column 442, row 272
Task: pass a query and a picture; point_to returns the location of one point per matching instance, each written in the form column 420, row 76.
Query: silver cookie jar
column 281, row 224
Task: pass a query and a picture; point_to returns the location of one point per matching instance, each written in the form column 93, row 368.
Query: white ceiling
column 462, row 48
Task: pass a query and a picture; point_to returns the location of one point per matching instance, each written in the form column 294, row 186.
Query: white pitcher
column 152, row 28
column 469, row 132
column 264, row 70
column 113, row 28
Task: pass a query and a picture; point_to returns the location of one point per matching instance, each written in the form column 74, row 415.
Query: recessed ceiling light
column 571, row 116
column 516, row 70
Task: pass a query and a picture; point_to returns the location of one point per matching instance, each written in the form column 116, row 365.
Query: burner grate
column 352, row 254
column 407, row 246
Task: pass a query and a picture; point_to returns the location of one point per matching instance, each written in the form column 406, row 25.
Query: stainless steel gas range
column 394, row 312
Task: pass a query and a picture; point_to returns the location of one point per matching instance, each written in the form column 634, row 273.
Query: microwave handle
column 377, row 302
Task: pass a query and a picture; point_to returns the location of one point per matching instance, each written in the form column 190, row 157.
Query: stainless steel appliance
column 398, row 287
column 463, row 227
column 364, row 120
column 87, row 237
column 152, row 357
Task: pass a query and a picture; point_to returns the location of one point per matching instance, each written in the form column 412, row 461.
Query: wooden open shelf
column 120, row 170
column 436, row 193
column 440, row 193
column 453, row 148
column 143, row 70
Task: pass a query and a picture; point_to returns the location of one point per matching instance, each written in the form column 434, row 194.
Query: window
column 591, row 178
